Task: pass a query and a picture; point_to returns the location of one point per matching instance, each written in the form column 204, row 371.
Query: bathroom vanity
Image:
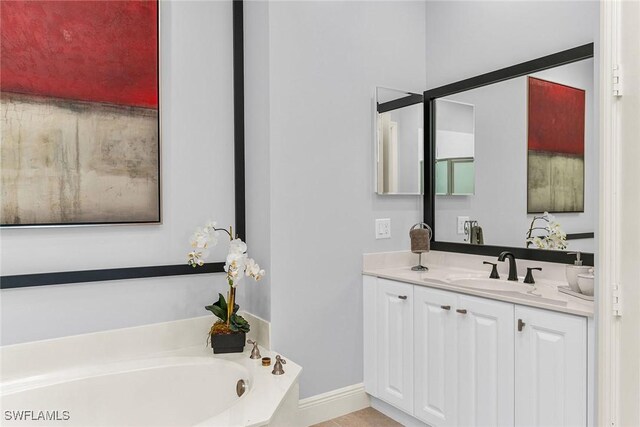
column 450, row 346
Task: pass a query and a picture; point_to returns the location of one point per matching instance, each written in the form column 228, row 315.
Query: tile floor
column 363, row 418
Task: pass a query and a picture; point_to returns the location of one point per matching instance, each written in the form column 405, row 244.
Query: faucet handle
column 529, row 277
column 494, row 270
column 255, row 351
column 277, row 367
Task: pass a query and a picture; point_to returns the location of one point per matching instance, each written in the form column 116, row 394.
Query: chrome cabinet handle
column 462, row 310
column 445, row 307
column 402, row 296
column 520, row 325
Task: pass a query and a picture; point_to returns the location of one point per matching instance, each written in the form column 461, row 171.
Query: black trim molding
column 576, row 236
column 550, row 61
column 520, row 253
column 411, row 99
column 84, row 276
column 238, row 117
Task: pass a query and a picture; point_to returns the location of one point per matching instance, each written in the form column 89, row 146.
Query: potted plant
column 553, row 236
column 228, row 333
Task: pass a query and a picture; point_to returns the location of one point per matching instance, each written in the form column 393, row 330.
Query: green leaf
column 218, row 312
column 219, row 308
column 238, row 323
column 222, row 303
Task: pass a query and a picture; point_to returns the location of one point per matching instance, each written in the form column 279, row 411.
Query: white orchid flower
column 237, row 246
column 253, row 270
column 200, row 240
column 195, row 259
column 237, row 265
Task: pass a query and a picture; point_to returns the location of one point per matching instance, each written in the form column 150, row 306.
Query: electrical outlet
column 461, row 221
column 383, row 228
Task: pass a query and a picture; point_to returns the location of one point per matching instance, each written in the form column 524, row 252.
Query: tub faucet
column 255, row 351
column 277, row 367
column 513, row 269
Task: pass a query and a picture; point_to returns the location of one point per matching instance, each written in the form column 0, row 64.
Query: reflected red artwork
column 556, row 134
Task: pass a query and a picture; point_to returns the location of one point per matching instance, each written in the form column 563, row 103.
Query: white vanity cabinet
column 551, row 368
column 450, row 359
column 463, row 359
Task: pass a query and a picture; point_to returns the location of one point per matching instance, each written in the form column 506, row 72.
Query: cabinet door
column 435, row 356
column 485, row 362
column 395, row 343
column 551, row 369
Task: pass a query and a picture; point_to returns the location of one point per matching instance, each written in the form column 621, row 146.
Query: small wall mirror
column 399, row 142
column 455, row 127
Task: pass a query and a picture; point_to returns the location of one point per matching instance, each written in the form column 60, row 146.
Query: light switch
column 383, row 228
column 461, row 221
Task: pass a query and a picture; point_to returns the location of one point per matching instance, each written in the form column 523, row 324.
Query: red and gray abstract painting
column 80, row 120
column 556, row 129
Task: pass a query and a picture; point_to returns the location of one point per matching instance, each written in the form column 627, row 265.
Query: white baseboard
column 335, row 403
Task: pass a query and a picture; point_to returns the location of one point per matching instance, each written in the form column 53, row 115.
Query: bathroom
column 267, row 122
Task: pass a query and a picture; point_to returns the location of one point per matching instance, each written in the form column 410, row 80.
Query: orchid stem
column 229, row 231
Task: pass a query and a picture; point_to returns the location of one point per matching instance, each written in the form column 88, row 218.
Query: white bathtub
column 166, row 391
column 161, row 374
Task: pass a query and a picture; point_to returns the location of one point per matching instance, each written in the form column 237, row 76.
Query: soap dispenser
column 574, row 270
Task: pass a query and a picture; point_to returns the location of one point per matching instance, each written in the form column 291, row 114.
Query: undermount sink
column 489, row 284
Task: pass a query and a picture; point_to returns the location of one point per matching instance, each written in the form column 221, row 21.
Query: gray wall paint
column 324, row 61
column 467, row 38
column 257, row 296
column 197, row 178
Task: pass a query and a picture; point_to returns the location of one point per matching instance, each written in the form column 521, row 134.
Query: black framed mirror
column 547, row 132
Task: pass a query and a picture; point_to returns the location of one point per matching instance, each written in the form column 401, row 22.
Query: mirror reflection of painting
column 533, row 151
column 556, row 147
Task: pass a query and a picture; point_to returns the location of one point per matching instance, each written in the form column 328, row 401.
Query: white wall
column 325, row 60
column 500, row 203
column 197, row 179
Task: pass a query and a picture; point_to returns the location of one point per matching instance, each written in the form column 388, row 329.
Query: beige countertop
column 543, row 294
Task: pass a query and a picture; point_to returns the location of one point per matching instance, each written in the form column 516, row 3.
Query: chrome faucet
column 513, row 269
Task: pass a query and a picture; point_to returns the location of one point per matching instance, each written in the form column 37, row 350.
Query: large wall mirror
column 512, row 159
column 399, row 142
